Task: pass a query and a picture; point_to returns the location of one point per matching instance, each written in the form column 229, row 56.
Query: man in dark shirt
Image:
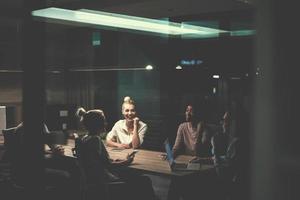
column 56, row 149
column 225, row 154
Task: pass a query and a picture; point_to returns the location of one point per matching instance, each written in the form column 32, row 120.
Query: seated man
column 223, row 144
column 56, row 149
column 225, row 154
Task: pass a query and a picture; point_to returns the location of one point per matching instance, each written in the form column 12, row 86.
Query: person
column 58, row 173
column 225, row 150
column 223, row 142
column 192, row 139
column 98, row 167
column 128, row 132
column 192, row 136
column 54, row 148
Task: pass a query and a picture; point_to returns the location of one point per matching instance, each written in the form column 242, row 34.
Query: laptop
column 179, row 166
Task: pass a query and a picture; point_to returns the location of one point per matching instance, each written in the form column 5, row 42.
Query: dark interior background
column 161, row 94
column 266, row 64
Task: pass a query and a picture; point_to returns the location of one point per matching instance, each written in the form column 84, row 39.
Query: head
column 189, row 113
column 128, row 109
column 93, row 120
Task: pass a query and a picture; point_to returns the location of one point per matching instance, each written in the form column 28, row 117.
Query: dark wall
column 160, row 94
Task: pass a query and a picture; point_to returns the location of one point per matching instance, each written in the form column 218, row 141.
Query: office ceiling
column 10, row 17
column 146, row 8
column 171, row 8
column 184, row 10
column 158, row 8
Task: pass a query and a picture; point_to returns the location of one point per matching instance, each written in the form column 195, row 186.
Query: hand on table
column 124, row 146
column 163, row 156
column 127, row 161
column 58, row 150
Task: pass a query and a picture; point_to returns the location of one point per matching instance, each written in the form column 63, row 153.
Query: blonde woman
column 128, row 132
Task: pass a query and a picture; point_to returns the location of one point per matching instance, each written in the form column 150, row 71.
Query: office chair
column 15, row 160
column 89, row 191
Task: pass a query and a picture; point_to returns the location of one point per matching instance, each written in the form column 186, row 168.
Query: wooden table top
column 145, row 160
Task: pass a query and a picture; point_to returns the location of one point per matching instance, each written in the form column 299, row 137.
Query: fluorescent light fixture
column 206, row 24
column 99, row 18
column 178, row 67
column 242, row 32
column 149, row 67
column 216, row 76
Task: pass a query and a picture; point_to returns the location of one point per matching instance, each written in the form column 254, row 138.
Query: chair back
column 92, row 166
column 90, row 190
column 77, row 153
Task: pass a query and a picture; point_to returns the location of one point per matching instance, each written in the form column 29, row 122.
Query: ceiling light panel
column 99, row 18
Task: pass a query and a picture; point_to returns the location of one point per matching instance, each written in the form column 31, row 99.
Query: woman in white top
column 129, row 132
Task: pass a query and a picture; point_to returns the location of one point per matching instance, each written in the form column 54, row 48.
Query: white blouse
column 122, row 135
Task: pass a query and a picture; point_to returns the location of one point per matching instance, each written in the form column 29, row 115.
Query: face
column 189, row 113
column 128, row 111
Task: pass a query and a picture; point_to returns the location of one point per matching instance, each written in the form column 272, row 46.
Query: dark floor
column 160, row 186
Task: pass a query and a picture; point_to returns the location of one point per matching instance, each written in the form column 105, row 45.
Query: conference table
column 146, row 161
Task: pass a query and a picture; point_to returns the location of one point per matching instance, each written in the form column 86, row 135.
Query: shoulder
column 90, row 139
column 142, row 124
column 120, row 122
